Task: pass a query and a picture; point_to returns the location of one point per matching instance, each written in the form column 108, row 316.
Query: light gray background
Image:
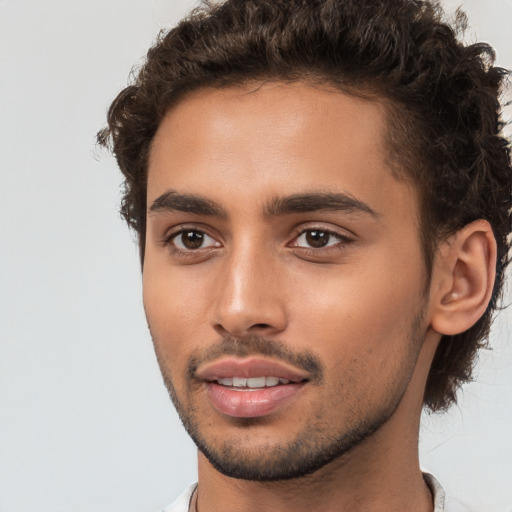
column 85, row 423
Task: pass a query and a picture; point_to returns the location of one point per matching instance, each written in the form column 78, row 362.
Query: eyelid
column 175, row 231
column 343, row 235
column 344, row 239
column 179, row 228
column 175, row 240
column 339, row 232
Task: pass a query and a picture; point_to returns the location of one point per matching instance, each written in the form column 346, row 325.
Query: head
column 437, row 105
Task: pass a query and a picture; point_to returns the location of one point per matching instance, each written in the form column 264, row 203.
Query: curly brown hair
column 444, row 125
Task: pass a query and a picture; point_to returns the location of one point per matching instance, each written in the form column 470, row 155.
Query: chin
column 311, row 450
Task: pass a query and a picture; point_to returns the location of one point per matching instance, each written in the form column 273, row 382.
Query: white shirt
column 442, row 503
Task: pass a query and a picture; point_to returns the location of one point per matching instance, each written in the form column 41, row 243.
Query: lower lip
column 250, row 403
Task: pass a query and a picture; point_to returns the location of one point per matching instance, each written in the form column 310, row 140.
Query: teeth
column 251, row 382
column 272, row 381
column 239, row 382
column 256, row 382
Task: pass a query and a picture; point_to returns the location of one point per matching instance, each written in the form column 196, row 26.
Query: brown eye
column 317, row 239
column 191, row 239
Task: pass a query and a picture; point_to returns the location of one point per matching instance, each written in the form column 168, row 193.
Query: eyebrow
column 326, row 202
column 172, row 201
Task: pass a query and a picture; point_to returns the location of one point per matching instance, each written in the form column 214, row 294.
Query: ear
column 463, row 278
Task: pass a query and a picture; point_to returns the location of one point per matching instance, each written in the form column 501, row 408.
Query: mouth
column 252, row 387
column 244, row 383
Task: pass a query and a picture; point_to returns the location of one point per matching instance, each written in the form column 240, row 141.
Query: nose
column 249, row 296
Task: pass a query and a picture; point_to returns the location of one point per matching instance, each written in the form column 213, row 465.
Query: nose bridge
column 249, row 296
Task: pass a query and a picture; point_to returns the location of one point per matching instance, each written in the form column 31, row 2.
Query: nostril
column 260, row 326
column 221, row 330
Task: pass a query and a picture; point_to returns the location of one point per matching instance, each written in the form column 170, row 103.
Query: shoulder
column 452, row 505
column 442, row 503
column 183, row 502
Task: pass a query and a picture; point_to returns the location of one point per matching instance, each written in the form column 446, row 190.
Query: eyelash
column 342, row 241
column 168, row 240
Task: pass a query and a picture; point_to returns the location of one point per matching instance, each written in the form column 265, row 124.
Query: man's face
column 284, row 283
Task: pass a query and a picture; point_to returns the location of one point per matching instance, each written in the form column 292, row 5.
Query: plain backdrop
column 85, row 422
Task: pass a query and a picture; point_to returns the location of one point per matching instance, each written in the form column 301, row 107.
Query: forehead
column 272, row 138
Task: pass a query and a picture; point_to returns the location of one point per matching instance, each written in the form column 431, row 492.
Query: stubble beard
column 312, row 448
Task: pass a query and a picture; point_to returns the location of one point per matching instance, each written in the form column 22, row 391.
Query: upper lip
column 249, row 367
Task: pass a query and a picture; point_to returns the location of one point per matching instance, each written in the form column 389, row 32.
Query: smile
column 246, row 402
column 252, row 382
column 250, row 387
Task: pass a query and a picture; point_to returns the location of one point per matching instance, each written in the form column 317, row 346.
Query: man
column 322, row 195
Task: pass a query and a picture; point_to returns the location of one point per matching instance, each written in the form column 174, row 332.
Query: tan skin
column 347, row 285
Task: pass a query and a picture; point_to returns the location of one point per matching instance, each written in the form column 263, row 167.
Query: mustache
column 254, row 345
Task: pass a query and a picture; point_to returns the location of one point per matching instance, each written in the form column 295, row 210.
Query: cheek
column 174, row 306
column 361, row 311
column 173, row 295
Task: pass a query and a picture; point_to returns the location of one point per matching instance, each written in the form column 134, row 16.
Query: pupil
column 192, row 239
column 317, row 238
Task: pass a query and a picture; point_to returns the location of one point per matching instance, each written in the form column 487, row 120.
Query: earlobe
column 465, row 268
